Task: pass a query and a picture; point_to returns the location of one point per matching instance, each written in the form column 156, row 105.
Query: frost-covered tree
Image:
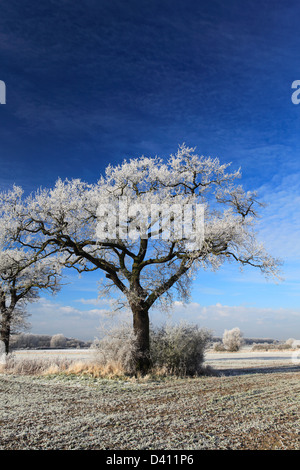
column 58, row 341
column 233, row 339
column 22, row 277
column 148, row 259
column 24, row 271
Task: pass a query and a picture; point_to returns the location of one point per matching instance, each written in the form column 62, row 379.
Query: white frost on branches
column 24, row 270
column 145, row 269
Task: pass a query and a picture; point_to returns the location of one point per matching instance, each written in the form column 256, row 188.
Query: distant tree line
column 35, row 341
column 248, row 341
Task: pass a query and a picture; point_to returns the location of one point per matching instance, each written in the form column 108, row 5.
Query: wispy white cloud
column 95, row 301
column 280, row 323
column 209, row 290
column 279, row 226
column 47, row 306
column 49, row 317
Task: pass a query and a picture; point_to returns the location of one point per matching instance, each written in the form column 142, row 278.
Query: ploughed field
column 253, row 404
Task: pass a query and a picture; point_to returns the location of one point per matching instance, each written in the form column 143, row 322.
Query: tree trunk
column 141, row 329
column 5, row 330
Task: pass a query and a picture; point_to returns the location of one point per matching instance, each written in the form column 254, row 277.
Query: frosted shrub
column 284, row 346
column 232, row 339
column 290, row 341
column 271, row 347
column 58, row 341
column 179, row 349
column 21, row 366
column 117, row 350
column 262, row 347
column 219, row 347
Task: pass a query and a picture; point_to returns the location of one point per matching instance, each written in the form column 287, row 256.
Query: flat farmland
column 252, row 404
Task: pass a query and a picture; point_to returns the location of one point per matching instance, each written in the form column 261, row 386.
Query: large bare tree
column 140, row 226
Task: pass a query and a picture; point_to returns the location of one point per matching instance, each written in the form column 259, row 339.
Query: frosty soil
column 243, row 411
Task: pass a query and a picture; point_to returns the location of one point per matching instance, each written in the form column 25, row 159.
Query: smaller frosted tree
column 24, row 270
column 58, row 341
column 232, row 339
column 22, row 276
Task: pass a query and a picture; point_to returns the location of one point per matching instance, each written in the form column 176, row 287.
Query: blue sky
column 93, row 82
